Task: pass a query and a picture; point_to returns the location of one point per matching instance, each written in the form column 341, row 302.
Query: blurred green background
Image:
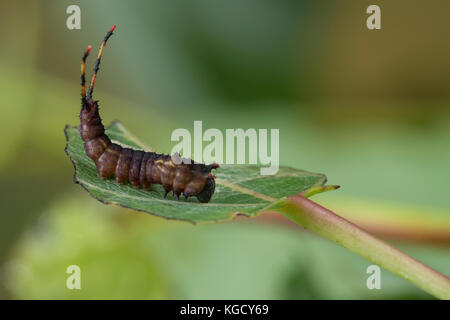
column 368, row 108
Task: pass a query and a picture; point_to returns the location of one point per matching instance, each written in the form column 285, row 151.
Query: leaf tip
column 310, row 192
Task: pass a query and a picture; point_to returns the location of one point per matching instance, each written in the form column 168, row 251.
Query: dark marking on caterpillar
column 141, row 169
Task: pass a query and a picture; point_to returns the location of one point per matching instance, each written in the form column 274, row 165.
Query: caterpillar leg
column 177, row 194
column 182, row 178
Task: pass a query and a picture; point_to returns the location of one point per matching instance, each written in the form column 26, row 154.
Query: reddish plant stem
column 322, row 221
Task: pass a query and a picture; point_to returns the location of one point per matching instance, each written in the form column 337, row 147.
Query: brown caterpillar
column 141, row 169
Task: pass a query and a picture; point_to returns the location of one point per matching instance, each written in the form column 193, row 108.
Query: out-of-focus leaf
column 239, row 189
column 71, row 232
column 123, row 256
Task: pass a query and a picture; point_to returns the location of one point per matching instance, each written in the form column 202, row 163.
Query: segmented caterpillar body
column 141, row 169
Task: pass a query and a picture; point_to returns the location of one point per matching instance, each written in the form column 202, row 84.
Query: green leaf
column 240, row 189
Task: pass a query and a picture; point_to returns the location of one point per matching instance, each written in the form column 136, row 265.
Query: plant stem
column 320, row 220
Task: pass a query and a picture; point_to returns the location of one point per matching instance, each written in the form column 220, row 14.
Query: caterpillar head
column 89, row 110
column 88, row 105
column 207, row 192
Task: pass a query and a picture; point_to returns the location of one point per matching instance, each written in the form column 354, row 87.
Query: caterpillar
column 141, row 169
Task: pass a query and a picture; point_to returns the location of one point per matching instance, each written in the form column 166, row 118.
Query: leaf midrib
column 126, row 195
column 240, row 189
